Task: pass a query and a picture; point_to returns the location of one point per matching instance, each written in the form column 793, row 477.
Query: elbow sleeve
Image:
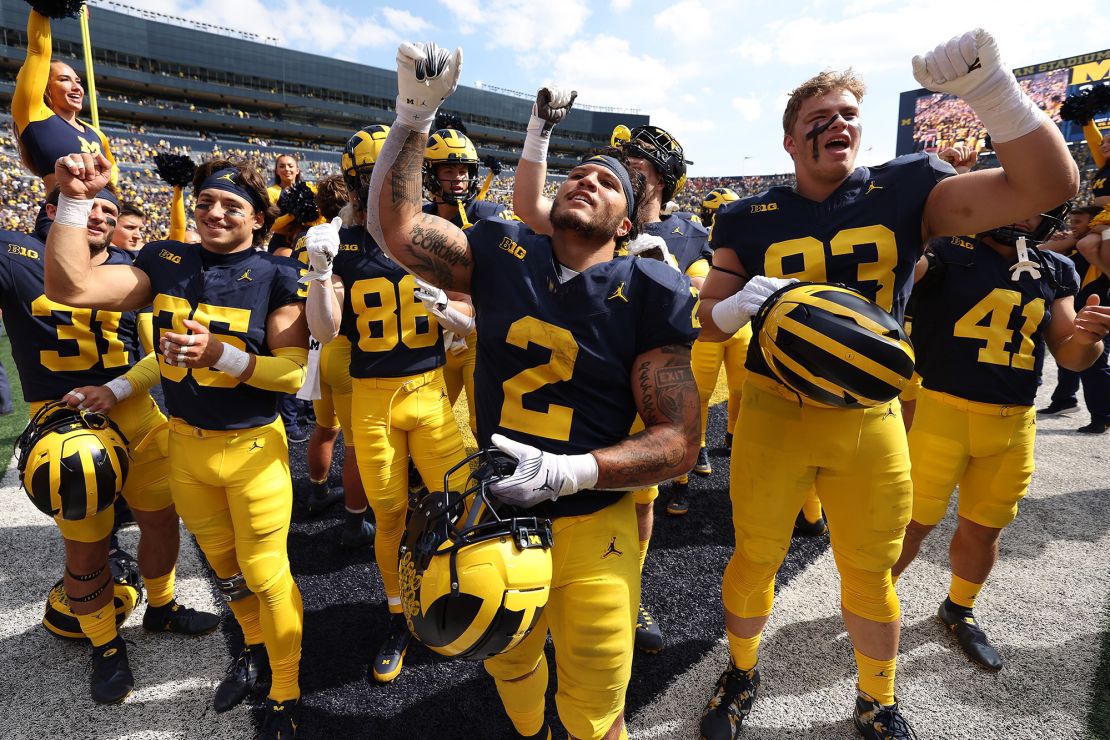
column 144, row 374
column 284, row 372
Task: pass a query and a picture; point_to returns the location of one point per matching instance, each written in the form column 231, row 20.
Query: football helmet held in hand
column 72, row 463
column 475, row 574
column 832, row 346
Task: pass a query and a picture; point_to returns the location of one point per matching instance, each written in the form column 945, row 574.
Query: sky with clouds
column 714, row 74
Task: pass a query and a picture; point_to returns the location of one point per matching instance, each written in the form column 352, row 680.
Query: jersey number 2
column 555, row 422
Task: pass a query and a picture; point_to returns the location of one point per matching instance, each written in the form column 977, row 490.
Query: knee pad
column 868, row 594
column 233, row 588
column 748, row 589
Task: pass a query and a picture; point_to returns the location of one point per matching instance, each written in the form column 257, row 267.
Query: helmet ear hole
column 475, row 574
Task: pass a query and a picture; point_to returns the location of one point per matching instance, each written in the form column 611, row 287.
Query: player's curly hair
column 826, row 81
column 250, row 178
column 331, row 195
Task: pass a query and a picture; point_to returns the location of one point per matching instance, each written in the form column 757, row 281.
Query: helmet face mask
column 61, row 450
column 832, row 346
column 1051, row 222
column 475, row 575
column 448, row 146
column 658, row 147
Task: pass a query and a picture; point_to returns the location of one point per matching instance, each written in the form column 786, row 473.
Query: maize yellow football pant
column 858, row 463
column 458, row 373
column 591, row 615
column 985, row 448
column 333, row 408
column 392, row 418
column 706, row 359
column 147, row 487
column 233, row 492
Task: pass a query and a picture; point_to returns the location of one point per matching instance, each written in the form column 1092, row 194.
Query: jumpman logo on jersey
column 246, row 275
column 254, row 446
column 677, row 230
column 612, row 549
column 872, row 186
column 619, row 293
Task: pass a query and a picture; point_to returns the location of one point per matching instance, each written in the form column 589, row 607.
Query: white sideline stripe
column 1043, row 607
column 46, row 690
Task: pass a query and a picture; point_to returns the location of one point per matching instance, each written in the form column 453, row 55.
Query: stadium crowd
column 408, row 252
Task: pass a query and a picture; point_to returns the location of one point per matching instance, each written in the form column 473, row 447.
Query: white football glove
column 736, row 310
column 551, row 107
column 541, row 476
column 653, row 247
column 426, row 76
column 969, row 67
column 322, row 244
column 432, row 297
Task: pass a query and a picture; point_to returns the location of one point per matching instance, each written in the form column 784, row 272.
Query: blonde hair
column 825, row 82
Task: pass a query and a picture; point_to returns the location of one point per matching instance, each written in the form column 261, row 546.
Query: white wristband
column 729, row 317
column 581, row 471
column 536, row 140
column 73, row 211
column 233, row 361
column 414, row 117
column 120, row 388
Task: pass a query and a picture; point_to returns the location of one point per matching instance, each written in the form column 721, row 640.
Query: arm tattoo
column 405, row 175
column 435, row 256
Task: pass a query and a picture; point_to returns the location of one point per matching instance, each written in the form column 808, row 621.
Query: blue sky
column 715, row 74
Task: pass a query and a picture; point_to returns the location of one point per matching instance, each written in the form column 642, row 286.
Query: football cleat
column 728, row 441
column 357, row 534
column 679, row 503
column 1058, row 408
column 730, row 704
column 878, row 722
column 279, row 719
column 805, row 528
column 973, row 641
column 649, row 637
column 1095, row 427
column 321, row 497
column 703, row 467
column 111, row 680
column 391, row 655
column 248, row 672
column 544, row 733
column 180, row 620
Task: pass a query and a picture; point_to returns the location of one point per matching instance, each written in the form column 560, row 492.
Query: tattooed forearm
column 669, row 405
column 436, row 255
column 405, row 177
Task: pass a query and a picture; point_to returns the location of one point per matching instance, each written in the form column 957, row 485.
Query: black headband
column 228, row 180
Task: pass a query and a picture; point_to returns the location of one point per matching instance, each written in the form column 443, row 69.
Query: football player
column 129, row 228
column 556, row 316
column 452, row 187
column 863, row 227
column 674, row 240
column 47, row 100
column 399, row 401
column 65, row 353
column 987, row 308
column 332, row 386
column 232, row 337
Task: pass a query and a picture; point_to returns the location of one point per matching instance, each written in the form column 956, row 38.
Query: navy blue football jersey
column 977, row 333
column 233, row 295
column 476, row 210
column 392, row 334
column 1100, row 185
column 687, row 241
column 1092, row 281
column 554, row 363
column 866, row 235
column 57, row 347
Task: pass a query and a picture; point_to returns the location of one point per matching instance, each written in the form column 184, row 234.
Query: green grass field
column 12, row 424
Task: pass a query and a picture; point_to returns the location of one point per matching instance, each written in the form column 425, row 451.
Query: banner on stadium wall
column 929, row 122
